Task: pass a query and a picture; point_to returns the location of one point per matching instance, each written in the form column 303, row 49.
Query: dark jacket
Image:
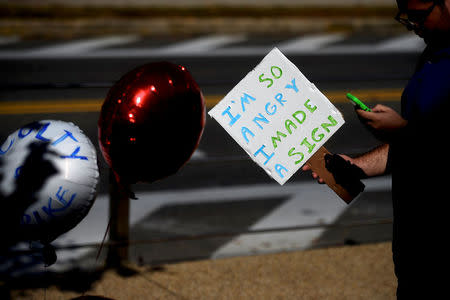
column 419, row 161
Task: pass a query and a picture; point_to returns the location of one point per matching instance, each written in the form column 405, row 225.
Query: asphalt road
column 56, row 80
column 219, row 163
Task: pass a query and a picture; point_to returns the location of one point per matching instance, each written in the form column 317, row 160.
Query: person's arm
column 372, row 163
column 385, row 123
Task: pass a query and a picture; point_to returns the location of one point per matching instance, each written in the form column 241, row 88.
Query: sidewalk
column 75, row 19
column 191, row 3
column 352, row 272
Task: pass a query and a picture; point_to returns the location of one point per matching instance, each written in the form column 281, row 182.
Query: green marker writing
column 358, row 102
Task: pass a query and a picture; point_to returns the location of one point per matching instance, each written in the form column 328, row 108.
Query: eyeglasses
column 414, row 18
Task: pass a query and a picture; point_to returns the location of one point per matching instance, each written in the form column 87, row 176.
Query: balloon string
column 101, row 246
column 46, row 279
column 103, row 240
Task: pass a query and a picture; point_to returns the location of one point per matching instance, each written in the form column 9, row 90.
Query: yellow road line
column 94, row 105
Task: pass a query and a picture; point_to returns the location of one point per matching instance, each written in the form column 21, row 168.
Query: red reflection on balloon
column 151, row 122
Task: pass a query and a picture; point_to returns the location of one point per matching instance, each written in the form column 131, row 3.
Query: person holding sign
column 415, row 152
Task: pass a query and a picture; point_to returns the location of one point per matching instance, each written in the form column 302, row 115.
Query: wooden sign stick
column 317, row 165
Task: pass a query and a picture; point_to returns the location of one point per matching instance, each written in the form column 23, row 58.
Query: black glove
column 345, row 173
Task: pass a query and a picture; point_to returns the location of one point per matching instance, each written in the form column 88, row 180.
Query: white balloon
column 66, row 196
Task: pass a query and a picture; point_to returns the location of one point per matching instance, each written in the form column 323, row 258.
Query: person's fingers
column 318, row 178
column 380, row 108
column 365, row 114
column 313, row 174
column 346, row 157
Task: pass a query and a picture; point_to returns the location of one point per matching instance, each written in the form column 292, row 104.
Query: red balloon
column 151, row 122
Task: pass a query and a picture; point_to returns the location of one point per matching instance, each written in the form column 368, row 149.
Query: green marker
column 358, row 102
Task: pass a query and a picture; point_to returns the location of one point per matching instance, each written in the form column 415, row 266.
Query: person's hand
column 382, row 118
column 345, row 173
column 382, row 121
column 314, row 175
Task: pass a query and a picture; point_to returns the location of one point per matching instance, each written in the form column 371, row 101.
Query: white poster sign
column 277, row 116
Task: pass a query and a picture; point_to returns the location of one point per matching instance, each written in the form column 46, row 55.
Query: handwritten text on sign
column 277, row 116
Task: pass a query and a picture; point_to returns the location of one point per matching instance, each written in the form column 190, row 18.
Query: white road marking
column 82, row 46
column 198, row 154
column 320, row 203
column 402, row 43
column 323, row 207
column 201, row 44
column 349, row 49
column 213, row 46
column 309, row 43
column 408, row 43
column 308, row 205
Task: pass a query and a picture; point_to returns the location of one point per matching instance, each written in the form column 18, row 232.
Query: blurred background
column 58, row 59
